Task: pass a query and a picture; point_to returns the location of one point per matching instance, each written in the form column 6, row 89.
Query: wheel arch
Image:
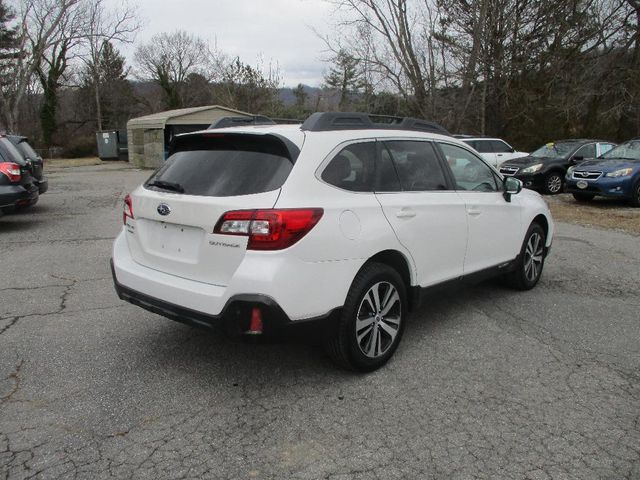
column 541, row 220
column 400, row 263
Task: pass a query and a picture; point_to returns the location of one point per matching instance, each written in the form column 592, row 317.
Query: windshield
column 554, row 150
column 629, row 150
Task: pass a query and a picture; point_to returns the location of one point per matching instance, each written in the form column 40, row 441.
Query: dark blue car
column 615, row 174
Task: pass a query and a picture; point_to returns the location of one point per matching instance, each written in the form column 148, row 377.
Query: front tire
column 553, row 183
column 372, row 321
column 583, row 197
column 635, row 195
column 531, row 261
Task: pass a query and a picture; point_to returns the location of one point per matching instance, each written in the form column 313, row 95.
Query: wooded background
column 529, row 71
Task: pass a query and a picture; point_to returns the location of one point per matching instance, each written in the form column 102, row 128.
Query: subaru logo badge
column 164, row 209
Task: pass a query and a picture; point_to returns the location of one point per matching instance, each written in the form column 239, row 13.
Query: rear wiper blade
column 176, row 187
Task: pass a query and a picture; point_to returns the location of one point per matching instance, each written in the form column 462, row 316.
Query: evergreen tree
column 344, row 76
column 107, row 78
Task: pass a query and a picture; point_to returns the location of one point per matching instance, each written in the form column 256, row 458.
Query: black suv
column 33, row 161
column 17, row 188
column 544, row 170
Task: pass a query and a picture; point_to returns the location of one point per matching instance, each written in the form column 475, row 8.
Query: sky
column 281, row 31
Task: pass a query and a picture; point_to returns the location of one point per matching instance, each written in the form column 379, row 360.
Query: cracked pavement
column 487, row 383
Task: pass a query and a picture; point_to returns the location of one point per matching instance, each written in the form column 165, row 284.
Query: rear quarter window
column 224, row 165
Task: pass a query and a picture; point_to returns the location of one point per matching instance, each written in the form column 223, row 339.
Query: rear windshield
column 9, row 152
column 224, row 165
column 27, row 150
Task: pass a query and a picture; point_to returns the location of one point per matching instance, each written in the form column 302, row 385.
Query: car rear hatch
column 206, row 175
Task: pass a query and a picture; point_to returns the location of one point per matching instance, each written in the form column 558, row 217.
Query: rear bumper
column 235, row 317
column 18, row 195
column 43, row 185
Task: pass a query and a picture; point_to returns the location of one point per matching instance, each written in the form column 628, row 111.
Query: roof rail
column 225, row 122
column 327, row 121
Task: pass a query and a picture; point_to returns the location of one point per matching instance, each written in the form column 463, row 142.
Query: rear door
column 503, row 152
column 427, row 215
column 485, row 149
column 176, row 210
column 493, row 223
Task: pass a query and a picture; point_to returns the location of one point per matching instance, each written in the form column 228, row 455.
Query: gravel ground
column 488, row 383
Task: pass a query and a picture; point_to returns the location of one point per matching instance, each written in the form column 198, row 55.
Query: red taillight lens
column 127, row 209
column 274, row 229
column 11, row 171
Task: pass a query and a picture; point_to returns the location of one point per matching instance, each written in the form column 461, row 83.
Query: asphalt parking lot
column 487, row 383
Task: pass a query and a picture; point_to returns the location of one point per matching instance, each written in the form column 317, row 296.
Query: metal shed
column 149, row 136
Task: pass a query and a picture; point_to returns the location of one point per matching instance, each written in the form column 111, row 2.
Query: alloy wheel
column 378, row 319
column 554, row 183
column 533, row 256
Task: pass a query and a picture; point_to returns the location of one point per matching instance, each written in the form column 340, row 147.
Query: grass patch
column 600, row 212
column 72, row 162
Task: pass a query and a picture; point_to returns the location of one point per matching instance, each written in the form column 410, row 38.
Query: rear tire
column 583, row 197
column 635, row 195
column 372, row 321
column 553, row 183
column 530, row 262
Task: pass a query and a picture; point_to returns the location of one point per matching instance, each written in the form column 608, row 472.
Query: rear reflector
column 273, row 229
column 255, row 326
column 11, row 171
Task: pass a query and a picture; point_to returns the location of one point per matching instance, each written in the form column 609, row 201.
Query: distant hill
column 288, row 98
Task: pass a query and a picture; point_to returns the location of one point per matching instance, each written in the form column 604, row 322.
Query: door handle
column 474, row 211
column 405, row 213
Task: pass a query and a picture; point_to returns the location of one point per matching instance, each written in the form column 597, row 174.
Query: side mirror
column 576, row 159
column 512, row 150
column 512, row 186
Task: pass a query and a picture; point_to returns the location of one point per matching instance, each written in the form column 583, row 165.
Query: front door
column 493, row 223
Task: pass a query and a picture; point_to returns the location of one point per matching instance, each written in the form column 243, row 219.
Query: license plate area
column 169, row 240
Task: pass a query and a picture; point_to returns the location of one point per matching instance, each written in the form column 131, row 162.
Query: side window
column 353, row 168
column 484, row 146
column 417, row 165
column 386, row 172
column 500, row 147
column 469, row 171
column 605, row 147
column 586, row 151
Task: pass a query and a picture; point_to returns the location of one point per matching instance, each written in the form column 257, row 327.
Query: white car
column 337, row 225
column 494, row 150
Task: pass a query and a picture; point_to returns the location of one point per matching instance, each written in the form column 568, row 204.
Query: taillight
column 127, row 209
column 11, row 171
column 269, row 229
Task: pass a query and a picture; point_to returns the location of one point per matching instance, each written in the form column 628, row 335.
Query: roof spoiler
column 225, row 122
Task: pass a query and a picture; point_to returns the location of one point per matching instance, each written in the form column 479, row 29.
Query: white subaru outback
column 336, row 225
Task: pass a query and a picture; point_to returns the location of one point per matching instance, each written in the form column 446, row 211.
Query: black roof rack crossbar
column 225, row 122
column 328, row 121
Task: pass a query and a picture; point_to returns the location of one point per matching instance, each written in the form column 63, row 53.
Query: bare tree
column 39, row 24
column 106, row 27
column 383, row 38
column 169, row 58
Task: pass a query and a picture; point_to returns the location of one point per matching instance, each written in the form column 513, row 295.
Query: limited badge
column 582, row 184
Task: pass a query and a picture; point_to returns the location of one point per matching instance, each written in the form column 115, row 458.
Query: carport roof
column 184, row 116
